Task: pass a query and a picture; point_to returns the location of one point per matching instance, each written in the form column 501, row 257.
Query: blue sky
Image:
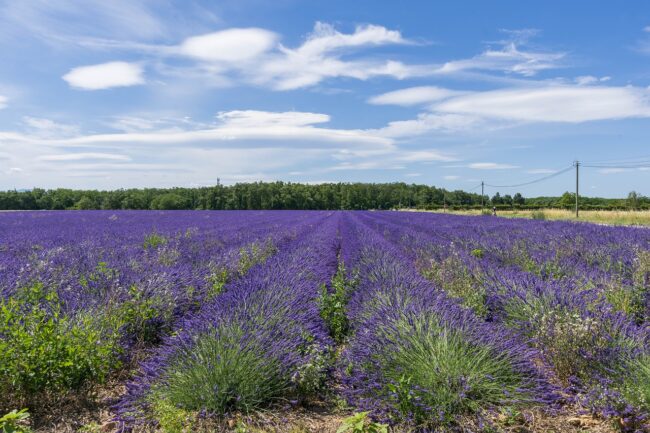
column 97, row 94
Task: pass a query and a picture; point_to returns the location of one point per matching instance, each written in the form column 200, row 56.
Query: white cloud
column 585, row 80
column 253, row 118
column 451, row 177
column 413, row 96
column 490, row 166
column 424, row 156
column 319, row 57
column 105, row 76
column 232, row 45
column 253, row 56
column 233, row 126
column 572, row 104
column 413, row 174
column 238, row 145
column 3, row 102
column 508, row 59
column 84, row 156
column 426, row 123
column 49, row 128
column 367, row 165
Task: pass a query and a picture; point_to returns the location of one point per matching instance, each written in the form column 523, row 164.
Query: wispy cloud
column 451, row 177
column 571, row 104
column 84, row 156
column 48, row 128
column 428, row 122
column 105, row 76
column 491, row 166
column 3, row 102
column 413, row 96
column 320, row 57
column 510, row 58
column 585, row 80
column 540, row 171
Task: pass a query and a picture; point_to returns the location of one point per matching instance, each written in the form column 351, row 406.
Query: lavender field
column 389, row 321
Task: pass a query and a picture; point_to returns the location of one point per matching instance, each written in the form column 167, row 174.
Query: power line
column 630, row 165
column 541, row 179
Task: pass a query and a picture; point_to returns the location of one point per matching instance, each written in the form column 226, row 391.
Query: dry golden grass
column 613, row 217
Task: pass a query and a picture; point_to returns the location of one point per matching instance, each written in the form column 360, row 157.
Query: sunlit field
column 613, row 217
column 275, row 321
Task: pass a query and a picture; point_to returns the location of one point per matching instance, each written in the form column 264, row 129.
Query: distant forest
column 281, row 195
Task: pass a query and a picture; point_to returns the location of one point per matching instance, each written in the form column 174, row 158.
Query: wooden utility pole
column 482, row 196
column 577, row 164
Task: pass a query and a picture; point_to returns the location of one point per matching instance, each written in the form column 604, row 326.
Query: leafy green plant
column 11, row 422
column 360, row 423
column 333, row 304
column 153, row 241
column 478, row 253
column 254, row 254
column 217, row 280
column 44, row 349
column 400, row 391
column 453, row 276
column 134, row 316
column 635, row 386
column 172, row 419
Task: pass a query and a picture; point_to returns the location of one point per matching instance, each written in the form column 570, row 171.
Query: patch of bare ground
column 71, row 413
column 314, row 417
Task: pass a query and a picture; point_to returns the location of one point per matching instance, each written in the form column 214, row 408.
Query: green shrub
column 538, row 215
column 133, row 316
column 255, row 254
column 13, row 422
column 359, row 423
column 333, row 304
column 217, row 279
column 636, row 384
column 629, row 300
column 153, row 241
column 172, row 419
column 570, row 341
column 478, row 253
column 42, row 349
column 455, row 278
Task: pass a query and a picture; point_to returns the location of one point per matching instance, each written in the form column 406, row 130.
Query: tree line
column 283, row 195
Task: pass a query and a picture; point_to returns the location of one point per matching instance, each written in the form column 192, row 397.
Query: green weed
column 360, row 423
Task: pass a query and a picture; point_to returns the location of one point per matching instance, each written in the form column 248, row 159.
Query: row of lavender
column 262, row 340
column 81, row 292
column 418, row 359
column 577, row 293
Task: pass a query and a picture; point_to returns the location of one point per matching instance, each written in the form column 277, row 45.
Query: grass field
column 614, row 217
